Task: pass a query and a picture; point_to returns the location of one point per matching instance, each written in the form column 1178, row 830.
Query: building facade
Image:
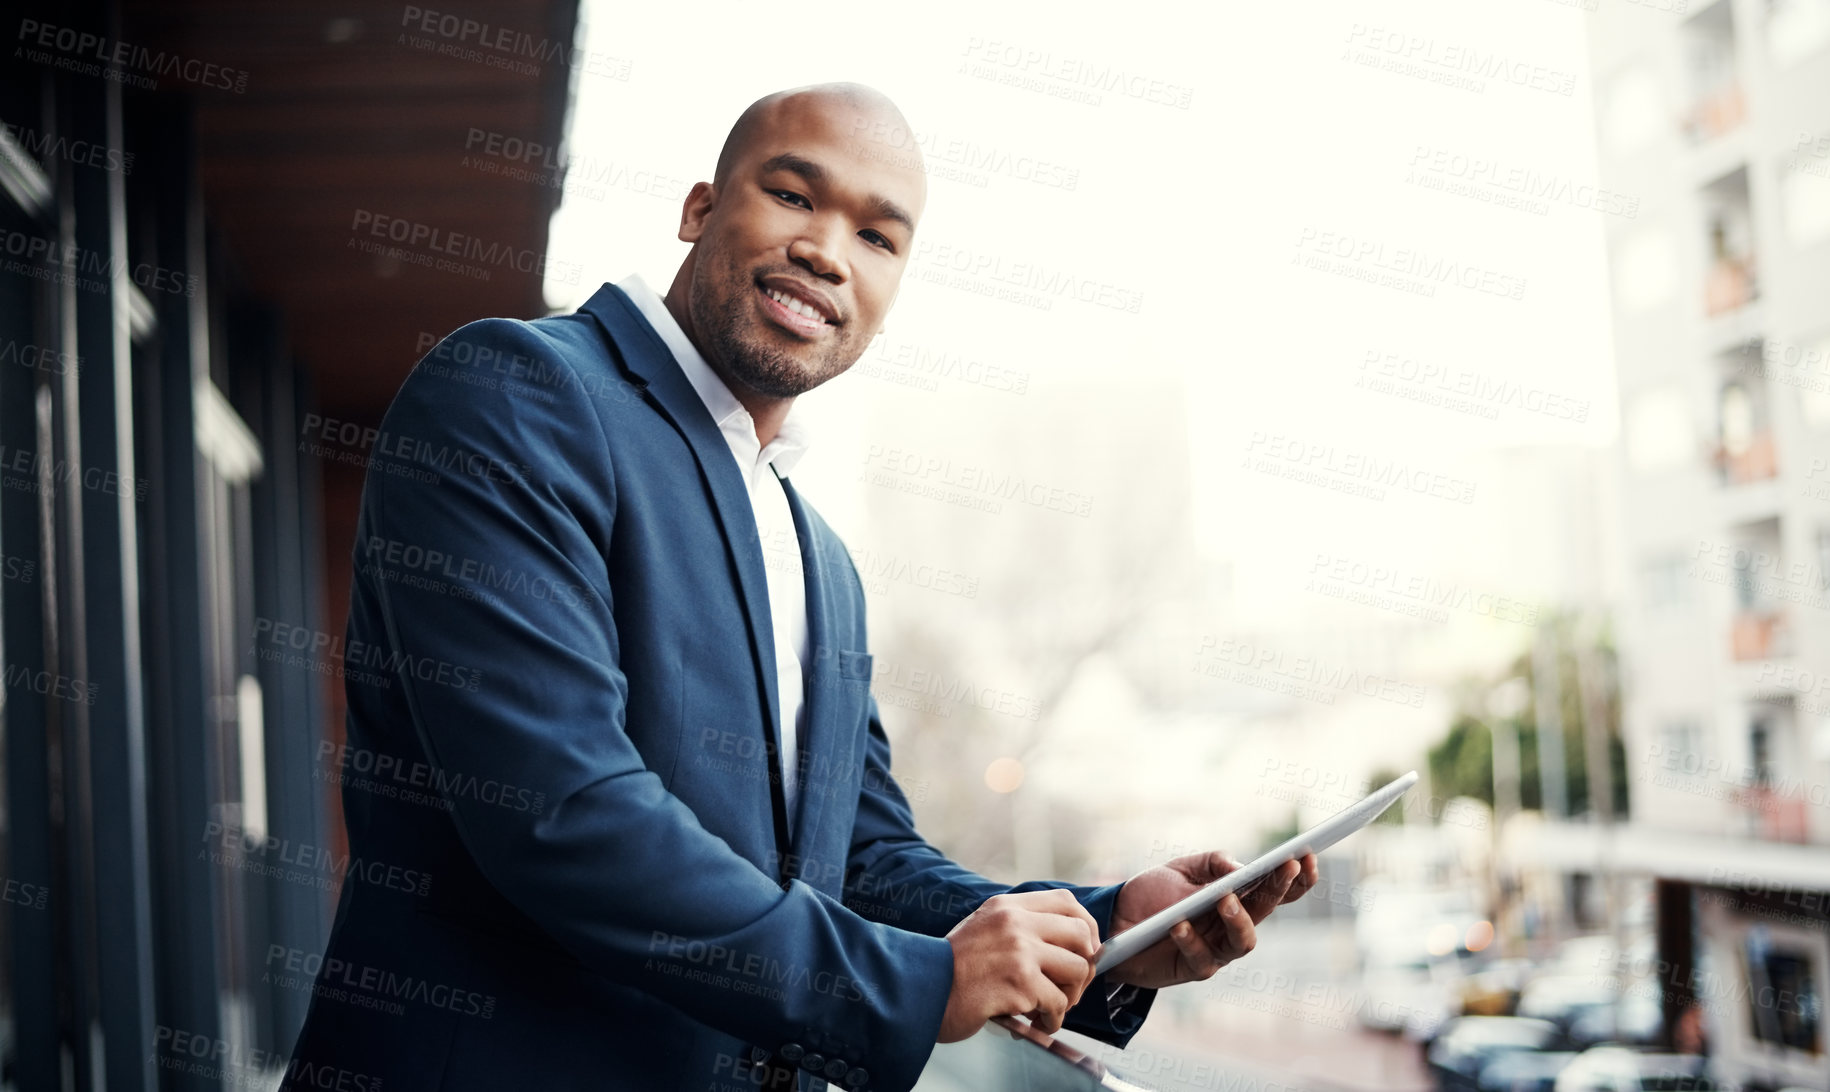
column 1715, row 118
column 199, row 327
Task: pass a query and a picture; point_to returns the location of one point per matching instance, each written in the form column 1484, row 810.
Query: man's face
column 799, row 255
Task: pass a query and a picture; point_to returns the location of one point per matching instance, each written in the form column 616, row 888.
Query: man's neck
column 768, row 412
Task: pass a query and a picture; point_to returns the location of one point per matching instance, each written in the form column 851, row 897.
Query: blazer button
column 791, row 1052
column 856, row 1077
column 813, row 1063
column 758, row 1055
column 835, row 1069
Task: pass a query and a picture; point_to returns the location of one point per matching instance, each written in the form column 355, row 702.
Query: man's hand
column 1197, row 948
column 1028, row 954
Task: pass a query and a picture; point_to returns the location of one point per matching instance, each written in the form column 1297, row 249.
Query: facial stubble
column 722, row 312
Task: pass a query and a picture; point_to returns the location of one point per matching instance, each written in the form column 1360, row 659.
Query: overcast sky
column 1286, row 145
column 1305, row 203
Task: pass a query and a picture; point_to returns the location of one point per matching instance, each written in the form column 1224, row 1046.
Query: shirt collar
column 790, row 441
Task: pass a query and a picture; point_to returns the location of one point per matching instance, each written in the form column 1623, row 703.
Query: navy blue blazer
column 570, row 864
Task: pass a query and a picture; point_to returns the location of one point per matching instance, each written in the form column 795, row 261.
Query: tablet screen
column 1122, row 946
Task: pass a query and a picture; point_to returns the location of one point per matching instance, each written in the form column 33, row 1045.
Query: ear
column 700, row 201
column 884, row 326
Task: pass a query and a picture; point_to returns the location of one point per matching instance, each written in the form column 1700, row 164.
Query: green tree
column 1385, row 776
column 1461, row 764
column 1279, row 835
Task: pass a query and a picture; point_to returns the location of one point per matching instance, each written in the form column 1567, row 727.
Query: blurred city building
column 1716, row 117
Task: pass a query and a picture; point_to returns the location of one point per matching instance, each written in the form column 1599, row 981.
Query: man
column 625, row 736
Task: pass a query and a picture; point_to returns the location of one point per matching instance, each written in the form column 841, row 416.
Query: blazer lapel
column 646, row 357
column 819, row 676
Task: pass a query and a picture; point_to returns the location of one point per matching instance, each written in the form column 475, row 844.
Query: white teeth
column 794, row 304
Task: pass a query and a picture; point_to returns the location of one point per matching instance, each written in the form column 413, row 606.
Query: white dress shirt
column 781, row 547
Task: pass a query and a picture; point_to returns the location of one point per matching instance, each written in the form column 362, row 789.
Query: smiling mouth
column 794, row 314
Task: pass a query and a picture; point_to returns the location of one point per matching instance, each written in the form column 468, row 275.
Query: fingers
column 1268, row 892
column 1079, row 935
column 1206, row 867
column 1051, row 1007
column 1310, row 875
column 1020, row 1030
column 1198, row 957
column 1061, row 918
column 1241, row 931
column 1029, row 953
column 1069, row 972
column 1229, row 931
column 1072, row 910
column 1059, row 938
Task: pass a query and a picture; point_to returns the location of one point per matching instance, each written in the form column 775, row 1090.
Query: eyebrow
column 815, row 175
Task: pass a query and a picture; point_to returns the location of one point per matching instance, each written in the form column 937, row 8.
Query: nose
column 820, row 249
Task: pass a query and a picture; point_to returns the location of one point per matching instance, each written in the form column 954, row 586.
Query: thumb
column 1210, row 866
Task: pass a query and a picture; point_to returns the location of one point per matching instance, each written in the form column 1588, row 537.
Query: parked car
column 1634, row 1019
column 1621, row 1069
column 1494, row 990
column 1412, row 994
column 1468, row 1044
column 1524, row 1071
column 1429, row 1017
column 1580, row 1006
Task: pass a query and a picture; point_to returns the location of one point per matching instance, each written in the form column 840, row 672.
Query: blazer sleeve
column 896, row 876
column 615, row 867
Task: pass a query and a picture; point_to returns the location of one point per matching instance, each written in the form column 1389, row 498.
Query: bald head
column 870, row 109
column 799, row 242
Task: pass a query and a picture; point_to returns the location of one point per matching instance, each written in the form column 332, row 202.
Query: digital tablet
column 1123, row 946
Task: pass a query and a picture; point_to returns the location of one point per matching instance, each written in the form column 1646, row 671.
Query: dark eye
column 791, row 196
column 877, row 238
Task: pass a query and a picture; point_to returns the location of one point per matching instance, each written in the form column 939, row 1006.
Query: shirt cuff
column 1118, row 1000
